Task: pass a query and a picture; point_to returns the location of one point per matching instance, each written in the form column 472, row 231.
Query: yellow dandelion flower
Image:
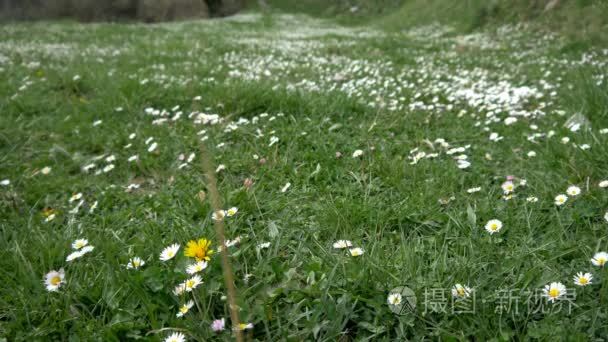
column 199, row 250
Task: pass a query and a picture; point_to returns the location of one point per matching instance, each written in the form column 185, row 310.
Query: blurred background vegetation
column 579, row 19
column 100, row 10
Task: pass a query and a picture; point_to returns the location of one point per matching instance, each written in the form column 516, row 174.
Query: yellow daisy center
column 183, row 309
column 601, row 261
column 493, row 226
column 189, row 283
column 554, row 293
column 583, row 280
column 55, row 280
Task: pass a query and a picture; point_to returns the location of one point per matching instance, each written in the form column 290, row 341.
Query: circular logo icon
column 402, row 300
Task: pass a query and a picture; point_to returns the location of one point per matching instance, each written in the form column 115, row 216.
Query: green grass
column 321, row 86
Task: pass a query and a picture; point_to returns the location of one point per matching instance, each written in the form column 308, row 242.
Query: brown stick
column 216, row 205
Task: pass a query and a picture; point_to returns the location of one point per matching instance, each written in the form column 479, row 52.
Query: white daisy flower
column 600, row 259
column 531, row 154
column 185, row 308
column 603, row 184
column 176, row 337
column 192, row 283
column 461, row 291
column 581, row 279
column 131, row 187
column 87, row 249
column 88, row 167
column 561, row 199
column 508, row 187
column 356, row 251
column 75, row 197
column 575, row 127
column 463, row 164
column 342, row 244
column 263, row 245
column 495, row 137
column 554, row 291
column 74, row 255
column 493, row 226
column 230, row 243
column 473, row 190
column 135, row 263
column 394, row 299
column 532, row 199
column 169, row 252
column 573, row 190
column 54, row 279
column 45, row 170
column 232, row 211
column 79, row 243
column 357, row 153
column 152, row 147
column 196, row 267
column 455, row 150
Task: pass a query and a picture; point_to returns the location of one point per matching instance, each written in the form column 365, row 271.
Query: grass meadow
column 350, row 161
